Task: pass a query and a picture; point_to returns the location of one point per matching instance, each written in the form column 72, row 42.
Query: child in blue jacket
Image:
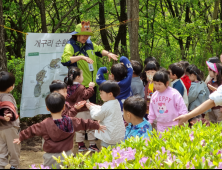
column 122, row 74
column 134, row 111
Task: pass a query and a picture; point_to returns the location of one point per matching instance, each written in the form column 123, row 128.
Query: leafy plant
column 178, row 148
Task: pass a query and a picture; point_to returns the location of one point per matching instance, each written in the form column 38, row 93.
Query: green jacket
column 74, row 48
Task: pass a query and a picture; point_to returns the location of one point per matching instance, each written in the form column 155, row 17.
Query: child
column 166, row 103
column 57, row 131
column 61, row 87
column 148, row 73
column 149, row 59
column 185, row 78
column 196, row 119
column 215, row 74
column 134, row 111
column 199, row 92
column 109, row 114
column 212, row 60
column 76, row 93
column 9, row 122
column 121, row 74
column 136, row 83
column 176, row 72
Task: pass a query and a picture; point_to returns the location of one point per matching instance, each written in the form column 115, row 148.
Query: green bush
column 180, row 147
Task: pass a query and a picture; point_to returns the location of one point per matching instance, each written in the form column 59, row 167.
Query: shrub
column 180, row 147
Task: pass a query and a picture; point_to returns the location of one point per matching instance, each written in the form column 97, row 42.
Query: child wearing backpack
column 9, row 123
column 199, row 92
column 122, row 74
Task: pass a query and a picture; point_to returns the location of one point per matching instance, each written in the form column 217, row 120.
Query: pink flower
column 188, row 165
column 34, row 167
column 42, row 167
column 163, row 150
column 203, row 159
column 219, row 152
column 210, row 164
column 168, row 153
column 192, row 136
column 220, row 166
column 143, row 160
column 203, row 143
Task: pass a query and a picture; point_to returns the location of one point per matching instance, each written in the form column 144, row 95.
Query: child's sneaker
column 93, row 148
column 82, row 148
column 12, row 167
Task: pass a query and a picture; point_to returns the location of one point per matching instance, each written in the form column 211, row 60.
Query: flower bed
column 180, row 147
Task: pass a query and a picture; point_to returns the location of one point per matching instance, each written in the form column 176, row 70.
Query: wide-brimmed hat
column 83, row 29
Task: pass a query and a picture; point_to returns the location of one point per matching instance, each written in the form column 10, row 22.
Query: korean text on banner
column 42, row 66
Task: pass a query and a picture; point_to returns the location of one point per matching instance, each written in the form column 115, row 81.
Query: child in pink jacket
column 166, row 103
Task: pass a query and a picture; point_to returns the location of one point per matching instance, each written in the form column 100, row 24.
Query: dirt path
column 33, row 154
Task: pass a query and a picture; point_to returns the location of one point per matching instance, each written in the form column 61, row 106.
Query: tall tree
column 3, row 59
column 133, row 27
column 102, row 23
column 41, row 6
column 121, row 36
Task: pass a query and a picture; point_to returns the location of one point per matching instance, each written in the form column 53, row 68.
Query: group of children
column 135, row 100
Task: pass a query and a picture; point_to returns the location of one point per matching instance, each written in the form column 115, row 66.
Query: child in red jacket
column 57, row 131
column 185, row 78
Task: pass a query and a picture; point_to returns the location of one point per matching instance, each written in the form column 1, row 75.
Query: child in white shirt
column 109, row 114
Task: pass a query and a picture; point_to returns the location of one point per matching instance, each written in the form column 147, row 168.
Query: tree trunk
column 215, row 15
column 121, row 36
column 102, row 23
column 133, row 26
column 41, row 6
column 3, row 59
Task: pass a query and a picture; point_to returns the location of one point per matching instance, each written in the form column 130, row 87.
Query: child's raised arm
column 100, row 77
column 34, row 130
column 199, row 110
column 129, row 67
column 81, row 124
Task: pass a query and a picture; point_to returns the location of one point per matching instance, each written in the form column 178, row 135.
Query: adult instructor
column 82, row 53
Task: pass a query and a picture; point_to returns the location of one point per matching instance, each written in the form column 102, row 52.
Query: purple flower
column 163, row 150
column 203, row 159
column 34, row 167
column 220, row 166
column 210, row 164
column 119, row 161
column 168, row 153
column 188, row 165
column 143, row 160
column 193, row 167
column 219, row 152
column 192, row 136
column 46, row 167
column 203, row 143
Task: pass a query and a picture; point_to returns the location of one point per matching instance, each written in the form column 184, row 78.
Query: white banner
column 42, row 66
